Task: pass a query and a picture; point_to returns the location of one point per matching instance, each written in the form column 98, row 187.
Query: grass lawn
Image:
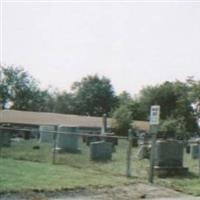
column 19, row 173
column 190, row 183
column 25, row 175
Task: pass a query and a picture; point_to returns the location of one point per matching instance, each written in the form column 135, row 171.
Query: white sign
column 154, row 115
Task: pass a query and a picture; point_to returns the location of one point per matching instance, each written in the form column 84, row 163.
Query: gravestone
column 5, row 138
column 92, row 138
column 144, row 147
column 101, row 151
column 194, row 149
column 47, row 133
column 35, row 133
column 169, row 158
column 68, row 139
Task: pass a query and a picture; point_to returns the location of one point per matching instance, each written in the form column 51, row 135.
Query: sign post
column 129, row 152
column 154, row 125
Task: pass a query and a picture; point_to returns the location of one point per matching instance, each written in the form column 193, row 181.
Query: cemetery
column 100, row 156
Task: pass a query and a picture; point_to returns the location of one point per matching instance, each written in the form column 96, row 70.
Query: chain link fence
column 86, row 149
column 81, row 149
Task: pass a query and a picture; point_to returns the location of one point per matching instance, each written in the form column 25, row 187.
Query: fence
column 28, row 145
column 31, row 145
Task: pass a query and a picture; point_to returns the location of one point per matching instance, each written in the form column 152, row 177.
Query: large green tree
column 19, row 90
column 175, row 102
column 93, row 96
column 65, row 103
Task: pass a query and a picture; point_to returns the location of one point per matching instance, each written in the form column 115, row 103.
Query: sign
column 155, row 115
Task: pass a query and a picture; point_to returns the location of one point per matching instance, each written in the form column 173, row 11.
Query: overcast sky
column 132, row 44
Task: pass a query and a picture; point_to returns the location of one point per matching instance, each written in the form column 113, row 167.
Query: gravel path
column 130, row 192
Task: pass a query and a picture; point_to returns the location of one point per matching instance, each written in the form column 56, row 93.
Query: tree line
column 94, row 96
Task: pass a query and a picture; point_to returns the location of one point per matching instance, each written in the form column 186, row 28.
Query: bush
column 173, row 128
column 121, row 120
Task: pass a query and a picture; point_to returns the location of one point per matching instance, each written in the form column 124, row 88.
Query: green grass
column 22, row 168
column 18, row 172
column 190, row 183
column 25, row 175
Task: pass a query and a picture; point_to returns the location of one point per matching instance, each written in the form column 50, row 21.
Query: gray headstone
column 169, row 153
column 35, row 133
column 68, row 139
column 5, row 138
column 46, row 133
column 101, row 151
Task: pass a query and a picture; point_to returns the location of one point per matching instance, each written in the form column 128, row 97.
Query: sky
column 133, row 43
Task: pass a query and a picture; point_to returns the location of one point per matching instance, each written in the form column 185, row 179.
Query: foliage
column 18, row 88
column 173, row 128
column 124, row 98
column 163, row 95
column 93, row 96
column 65, row 103
column 194, row 95
column 122, row 120
column 20, row 91
column 138, row 110
column 173, row 97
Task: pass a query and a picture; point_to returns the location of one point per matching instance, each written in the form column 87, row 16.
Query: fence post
column 104, row 127
column 199, row 156
column 54, row 147
column 1, row 142
column 129, row 152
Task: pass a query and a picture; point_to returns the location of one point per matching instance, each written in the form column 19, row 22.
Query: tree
column 163, row 95
column 138, row 110
column 122, row 120
column 124, row 98
column 173, row 97
column 194, row 95
column 20, row 91
column 93, row 96
column 65, row 103
column 173, row 128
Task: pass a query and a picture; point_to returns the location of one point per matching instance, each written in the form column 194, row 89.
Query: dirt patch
column 133, row 191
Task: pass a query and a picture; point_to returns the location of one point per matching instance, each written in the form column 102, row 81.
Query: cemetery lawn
column 19, row 176
column 23, row 176
column 25, row 169
column 190, row 183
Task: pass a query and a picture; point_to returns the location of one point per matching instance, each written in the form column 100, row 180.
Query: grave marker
column 100, row 151
column 46, row 133
column 68, row 139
